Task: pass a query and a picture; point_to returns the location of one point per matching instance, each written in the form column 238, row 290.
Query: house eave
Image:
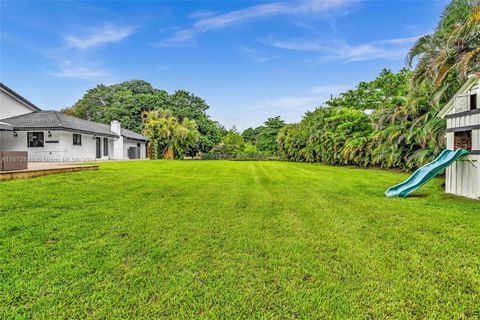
column 65, row 129
column 128, row 138
column 5, row 127
column 19, row 98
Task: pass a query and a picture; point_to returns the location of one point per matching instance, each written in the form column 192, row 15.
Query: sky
column 249, row 60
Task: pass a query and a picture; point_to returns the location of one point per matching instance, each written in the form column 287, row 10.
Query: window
column 473, row 101
column 77, row 139
column 35, row 139
column 105, row 147
column 462, row 140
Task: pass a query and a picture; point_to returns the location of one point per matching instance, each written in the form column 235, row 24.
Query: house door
column 99, row 147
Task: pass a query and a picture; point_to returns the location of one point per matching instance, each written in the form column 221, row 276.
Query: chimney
column 115, row 127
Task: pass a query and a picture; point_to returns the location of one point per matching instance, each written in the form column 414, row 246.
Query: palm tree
column 448, row 55
column 168, row 136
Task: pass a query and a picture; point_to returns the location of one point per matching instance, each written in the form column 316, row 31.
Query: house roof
column 129, row 134
column 472, row 79
column 55, row 120
column 19, row 97
column 5, row 127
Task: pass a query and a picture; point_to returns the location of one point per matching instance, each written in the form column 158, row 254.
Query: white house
column 463, row 131
column 54, row 136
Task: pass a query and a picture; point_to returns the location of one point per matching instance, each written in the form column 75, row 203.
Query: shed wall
column 463, row 177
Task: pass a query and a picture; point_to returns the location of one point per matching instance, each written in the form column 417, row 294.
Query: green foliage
column 233, row 142
column 169, row 137
column 448, row 55
column 266, row 140
column 374, row 94
column 250, row 135
column 234, row 147
column 330, row 135
column 399, row 132
column 235, row 240
column 250, row 148
column 265, row 137
column 128, row 100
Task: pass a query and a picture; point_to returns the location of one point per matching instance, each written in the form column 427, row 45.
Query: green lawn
column 218, row 239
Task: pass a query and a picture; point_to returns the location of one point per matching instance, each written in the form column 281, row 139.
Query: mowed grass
column 218, row 239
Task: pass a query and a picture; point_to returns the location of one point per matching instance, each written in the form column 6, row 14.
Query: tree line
column 177, row 124
column 391, row 121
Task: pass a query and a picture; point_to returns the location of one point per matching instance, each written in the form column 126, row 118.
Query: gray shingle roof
column 55, row 120
column 129, row 134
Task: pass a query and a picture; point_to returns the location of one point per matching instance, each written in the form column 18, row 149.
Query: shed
column 463, row 131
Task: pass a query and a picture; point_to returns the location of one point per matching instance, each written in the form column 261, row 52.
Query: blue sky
column 249, row 60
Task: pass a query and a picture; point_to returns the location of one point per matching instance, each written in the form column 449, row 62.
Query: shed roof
column 471, row 81
column 129, row 134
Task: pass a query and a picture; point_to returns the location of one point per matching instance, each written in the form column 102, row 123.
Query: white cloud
column 340, row 50
column 235, row 17
column 201, row 14
column 68, row 69
column 98, row 36
column 300, row 45
column 78, row 72
column 82, row 64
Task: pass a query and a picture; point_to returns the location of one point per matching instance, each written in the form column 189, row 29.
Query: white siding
column 134, row 143
column 462, row 177
column 450, row 140
column 475, row 139
column 463, row 121
column 63, row 151
column 11, row 107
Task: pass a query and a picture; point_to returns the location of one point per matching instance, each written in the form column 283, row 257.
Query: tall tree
column 267, row 137
column 128, row 100
column 250, row 135
column 399, row 131
column 169, row 137
column 448, row 55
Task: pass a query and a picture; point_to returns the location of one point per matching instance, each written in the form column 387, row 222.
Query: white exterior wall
column 115, row 127
column 463, row 121
column 127, row 143
column 463, row 176
column 118, row 149
column 11, row 107
column 121, row 145
column 63, row 151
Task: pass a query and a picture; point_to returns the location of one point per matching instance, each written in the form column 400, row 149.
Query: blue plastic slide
column 425, row 173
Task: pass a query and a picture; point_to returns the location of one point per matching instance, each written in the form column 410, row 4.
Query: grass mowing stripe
column 226, row 239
